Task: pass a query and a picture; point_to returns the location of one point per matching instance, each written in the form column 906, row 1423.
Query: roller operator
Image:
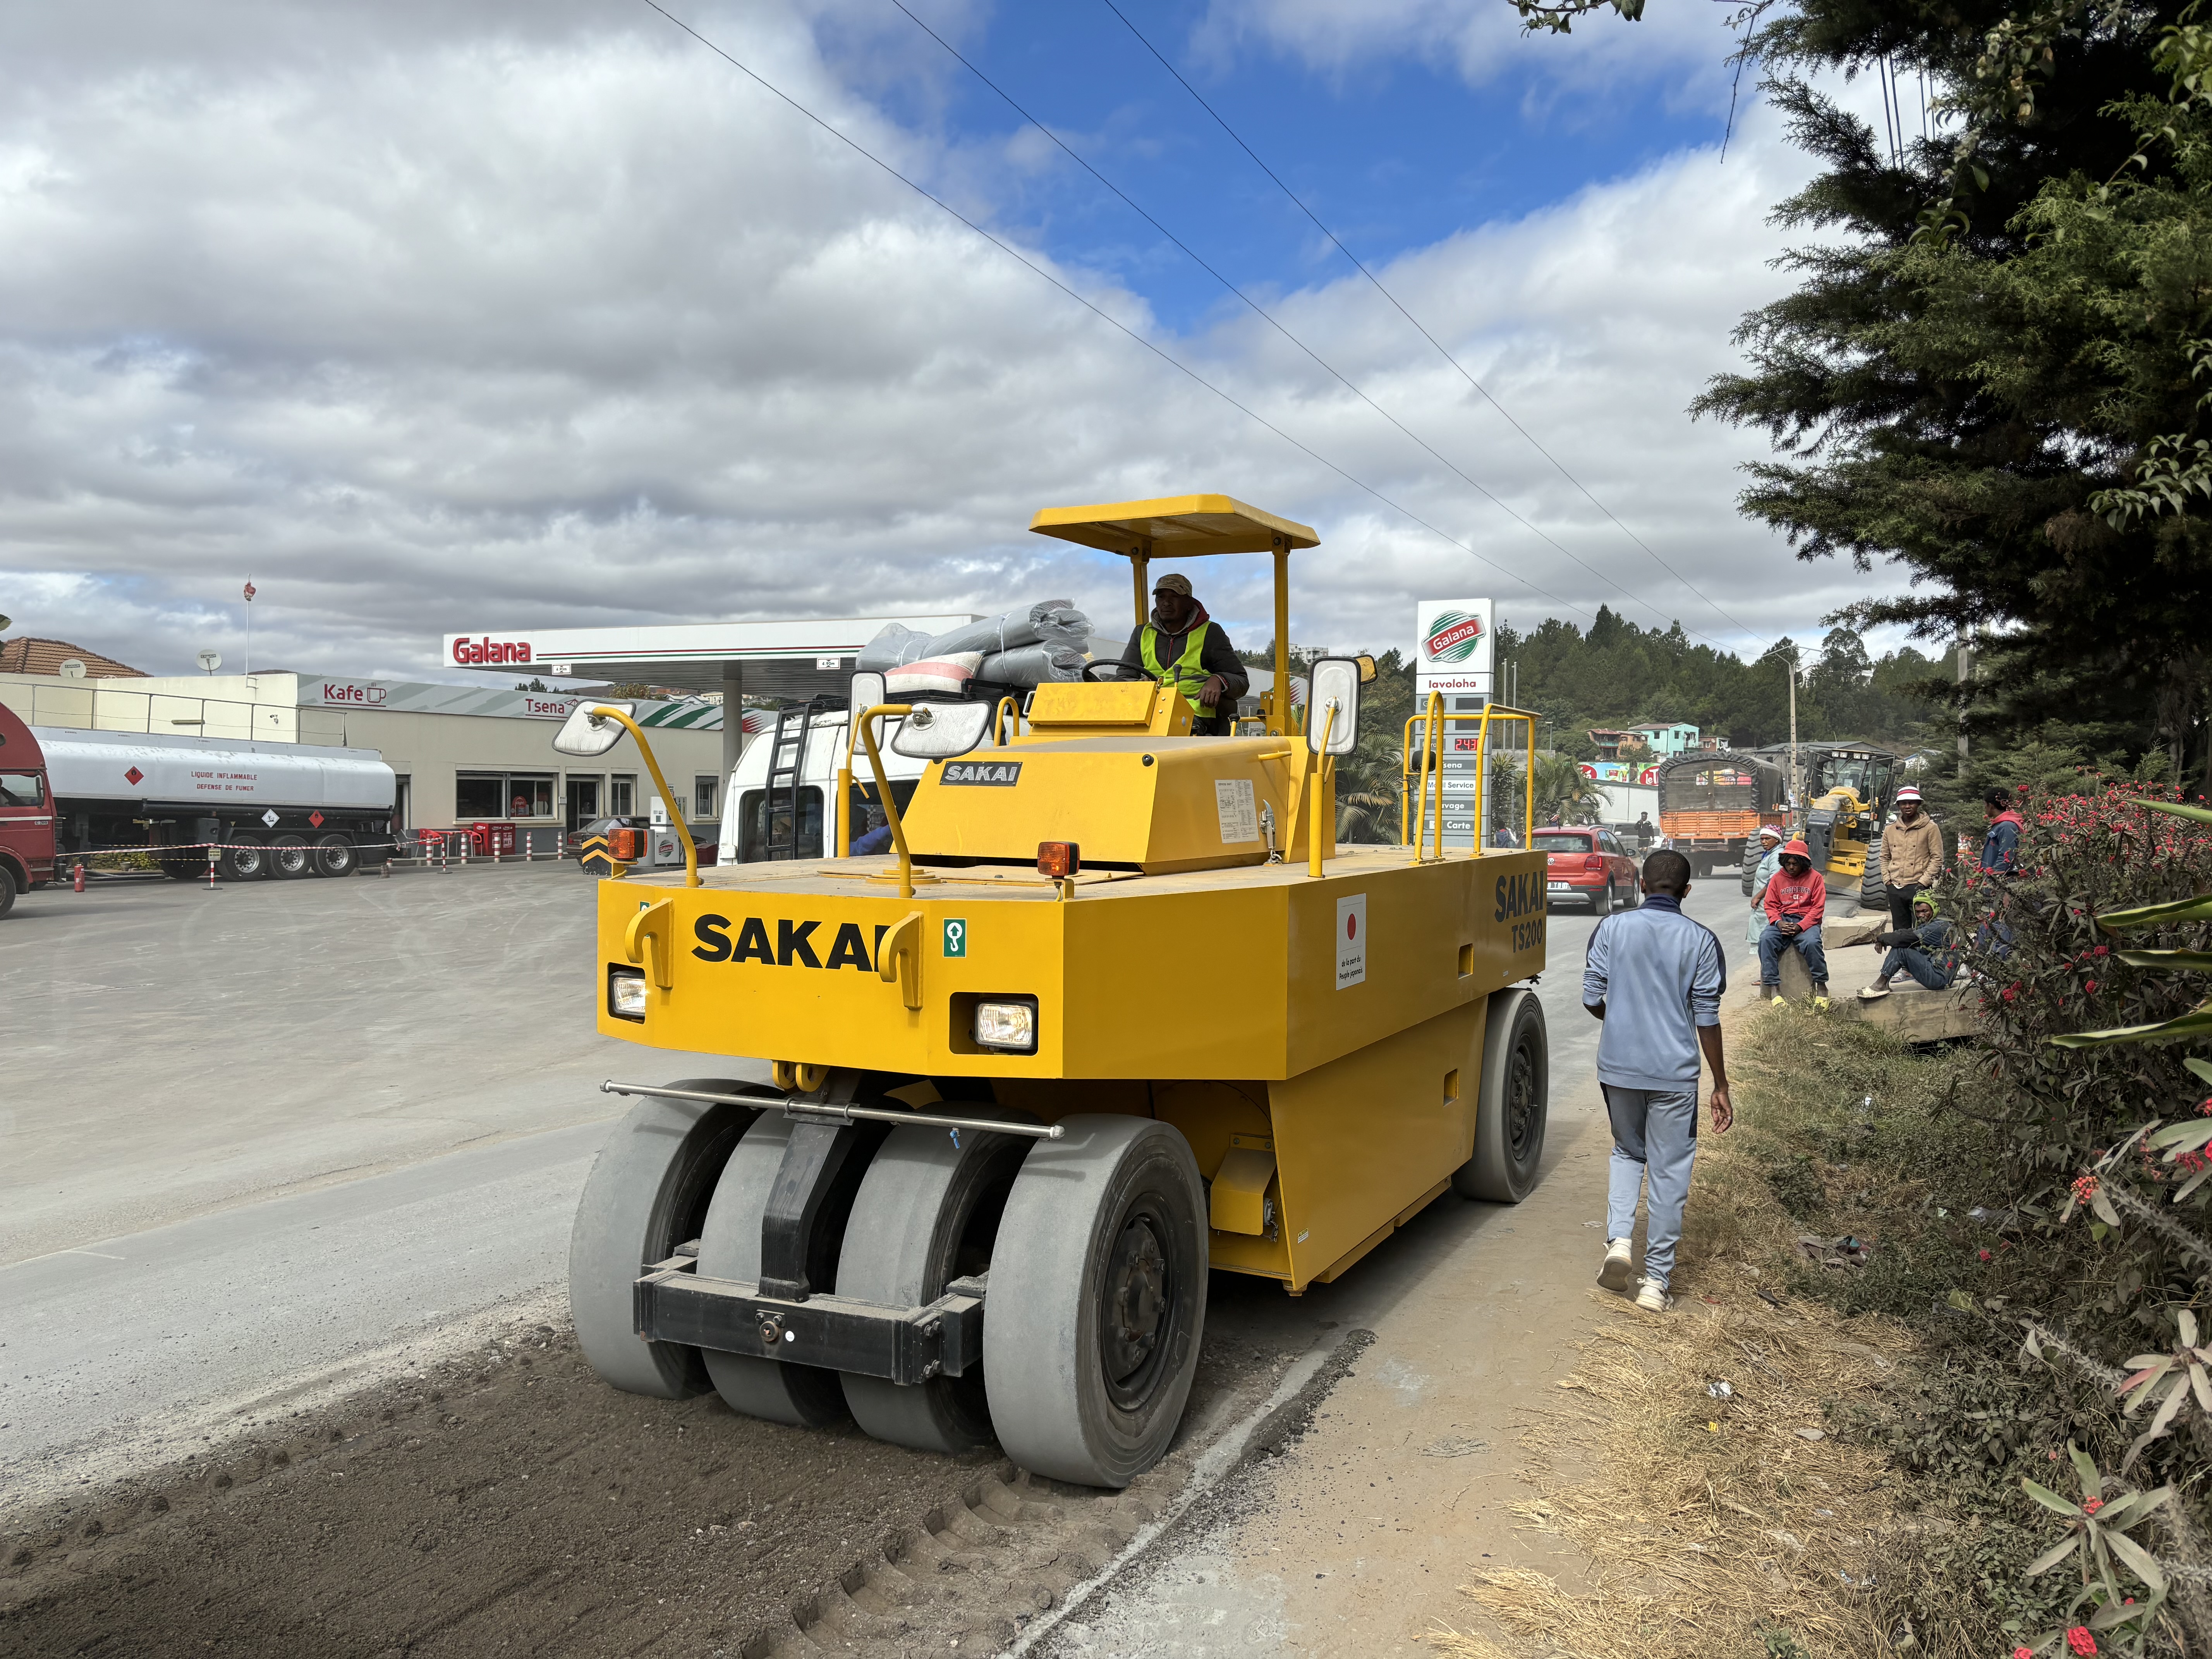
column 1181, row 644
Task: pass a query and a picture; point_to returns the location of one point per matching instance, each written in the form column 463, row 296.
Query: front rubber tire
column 804, row 1396
column 6, row 889
column 647, row 1192
column 244, row 859
column 1075, row 1230
column 1511, row 1110
column 927, row 1213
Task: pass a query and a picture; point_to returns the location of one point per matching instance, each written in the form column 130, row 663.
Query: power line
column 1441, row 349
column 1267, row 317
column 1172, row 362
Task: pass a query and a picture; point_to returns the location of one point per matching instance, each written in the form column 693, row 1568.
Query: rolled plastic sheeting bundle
column 896, row 646
column 1032, row 665
column 1054, row 626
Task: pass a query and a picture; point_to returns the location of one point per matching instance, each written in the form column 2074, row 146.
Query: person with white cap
column 1769, row 847
column 1912, row 855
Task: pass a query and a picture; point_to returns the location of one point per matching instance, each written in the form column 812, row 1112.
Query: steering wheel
column 1121, row 671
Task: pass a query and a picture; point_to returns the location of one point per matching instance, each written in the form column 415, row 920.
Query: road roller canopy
column 1173, row 526
column 1182, row 526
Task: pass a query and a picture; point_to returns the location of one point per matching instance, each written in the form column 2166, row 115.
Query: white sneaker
column 1874, row 992
column 1617, row 1271
column 1651, row 1297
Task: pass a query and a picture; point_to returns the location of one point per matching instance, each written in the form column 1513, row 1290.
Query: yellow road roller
column 1115, row 1013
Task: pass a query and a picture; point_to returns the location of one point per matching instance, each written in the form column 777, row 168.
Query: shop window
column 502, row 795
column 702, row 797
column 622, row 795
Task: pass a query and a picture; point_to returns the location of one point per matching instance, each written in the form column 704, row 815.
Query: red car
column 1589, row 866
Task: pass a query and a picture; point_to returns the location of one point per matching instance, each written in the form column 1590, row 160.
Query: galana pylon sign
column 1453, row 657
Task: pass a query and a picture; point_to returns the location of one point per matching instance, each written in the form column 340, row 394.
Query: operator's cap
column 1799, row 849
column 1173, row 582
column 1767, row 830
column 1908, row 793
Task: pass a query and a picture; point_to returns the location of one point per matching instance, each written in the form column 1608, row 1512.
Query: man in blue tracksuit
column 1654, row 977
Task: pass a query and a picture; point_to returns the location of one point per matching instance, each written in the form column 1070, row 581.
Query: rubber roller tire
column 335, row 856
column 804, row 1396
column 1874, row 892
column 245, row 860
column 926, row 1214
column 647, row 1192
column 1510, row 1111
column 290, row 857
column 1075, row 1228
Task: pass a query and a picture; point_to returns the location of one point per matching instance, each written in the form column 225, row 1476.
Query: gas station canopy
column 795, row 660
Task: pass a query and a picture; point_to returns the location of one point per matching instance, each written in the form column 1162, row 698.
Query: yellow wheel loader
column 1115, row 1014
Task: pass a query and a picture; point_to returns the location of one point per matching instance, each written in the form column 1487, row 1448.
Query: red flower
column 2102, row 951
column 2020, row 1652
column 2010, row 993
column 2091, row 1505
column 2089, row 989
column 2085, row 1188
column 2081, row 1641
column 1985, row 1255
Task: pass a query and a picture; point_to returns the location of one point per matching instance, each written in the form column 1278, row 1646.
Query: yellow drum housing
column 1223, row 1043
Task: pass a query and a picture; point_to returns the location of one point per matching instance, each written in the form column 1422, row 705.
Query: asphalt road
column 256, row 1135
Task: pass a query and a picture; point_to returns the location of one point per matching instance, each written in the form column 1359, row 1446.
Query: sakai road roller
column 1115, row 1014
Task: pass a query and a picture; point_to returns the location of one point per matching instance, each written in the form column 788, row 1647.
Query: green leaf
column 2197, row 1021
column 2179, row 1138
column 1961, row 1301
column 2196, row 813
column 2137, row 1559
column 2052, row 1500
column 2150, row 915
column 2179, row 962
column 2051, row 1557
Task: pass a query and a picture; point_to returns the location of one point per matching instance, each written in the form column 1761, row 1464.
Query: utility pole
column 1795, row 781
column 1965, row 670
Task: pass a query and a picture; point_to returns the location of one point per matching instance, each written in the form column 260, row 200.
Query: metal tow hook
column 772, row 1331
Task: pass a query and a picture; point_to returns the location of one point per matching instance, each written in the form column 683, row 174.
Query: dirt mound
column 512, row 1500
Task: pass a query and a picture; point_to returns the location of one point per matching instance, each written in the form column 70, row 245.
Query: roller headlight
column 1006, row 1026
column 626, row 994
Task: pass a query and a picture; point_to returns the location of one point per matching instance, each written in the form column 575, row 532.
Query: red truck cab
column 27, row 812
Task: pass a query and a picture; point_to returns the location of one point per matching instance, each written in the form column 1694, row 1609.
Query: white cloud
column 528, row 325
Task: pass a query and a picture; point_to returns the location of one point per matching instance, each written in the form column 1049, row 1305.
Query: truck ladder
column 787, row 762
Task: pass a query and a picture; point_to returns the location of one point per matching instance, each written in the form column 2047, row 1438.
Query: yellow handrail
column 884, row 788
column 999, row 719
column 1321, row 772
column 683, row 830
column 1433, row 724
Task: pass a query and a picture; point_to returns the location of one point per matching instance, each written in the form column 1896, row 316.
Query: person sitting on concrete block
column 1923, row 950
column 1797, row 901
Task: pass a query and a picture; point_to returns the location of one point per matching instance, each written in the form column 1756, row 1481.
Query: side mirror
column 1334, row 684
column 587, row 733
column 869, row 690
column 942, row 730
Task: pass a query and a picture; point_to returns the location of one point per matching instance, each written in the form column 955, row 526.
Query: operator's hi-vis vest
column 1189, row 678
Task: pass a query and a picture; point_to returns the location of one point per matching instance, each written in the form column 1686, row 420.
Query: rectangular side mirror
column 940, row 731
column 587, row 733
column 868, row 690
column 1334, row 683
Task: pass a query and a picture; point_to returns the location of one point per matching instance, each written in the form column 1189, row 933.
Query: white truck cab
column 794, row 814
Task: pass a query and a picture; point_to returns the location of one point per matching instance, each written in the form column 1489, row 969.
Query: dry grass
column 1719, row 1526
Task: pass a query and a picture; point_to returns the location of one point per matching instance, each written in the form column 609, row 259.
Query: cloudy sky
column 540, row 312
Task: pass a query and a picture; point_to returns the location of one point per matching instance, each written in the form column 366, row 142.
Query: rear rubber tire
column 245, row 860
column 927, row 1213
column 1510, row 1112
column 290, row 857
column 1116, row 1204
column 647, row 1192
column 6, row 889
column 335, row 856
column 804, row 1396
column 1604, row 907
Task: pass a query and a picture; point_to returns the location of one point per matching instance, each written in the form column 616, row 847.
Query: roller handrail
column 607, row 711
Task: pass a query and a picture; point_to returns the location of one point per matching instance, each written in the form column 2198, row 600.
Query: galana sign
column 1453, row 637
column 484, row 649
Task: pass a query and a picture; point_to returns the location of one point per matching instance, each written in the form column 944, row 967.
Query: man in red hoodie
column 1797, row 900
